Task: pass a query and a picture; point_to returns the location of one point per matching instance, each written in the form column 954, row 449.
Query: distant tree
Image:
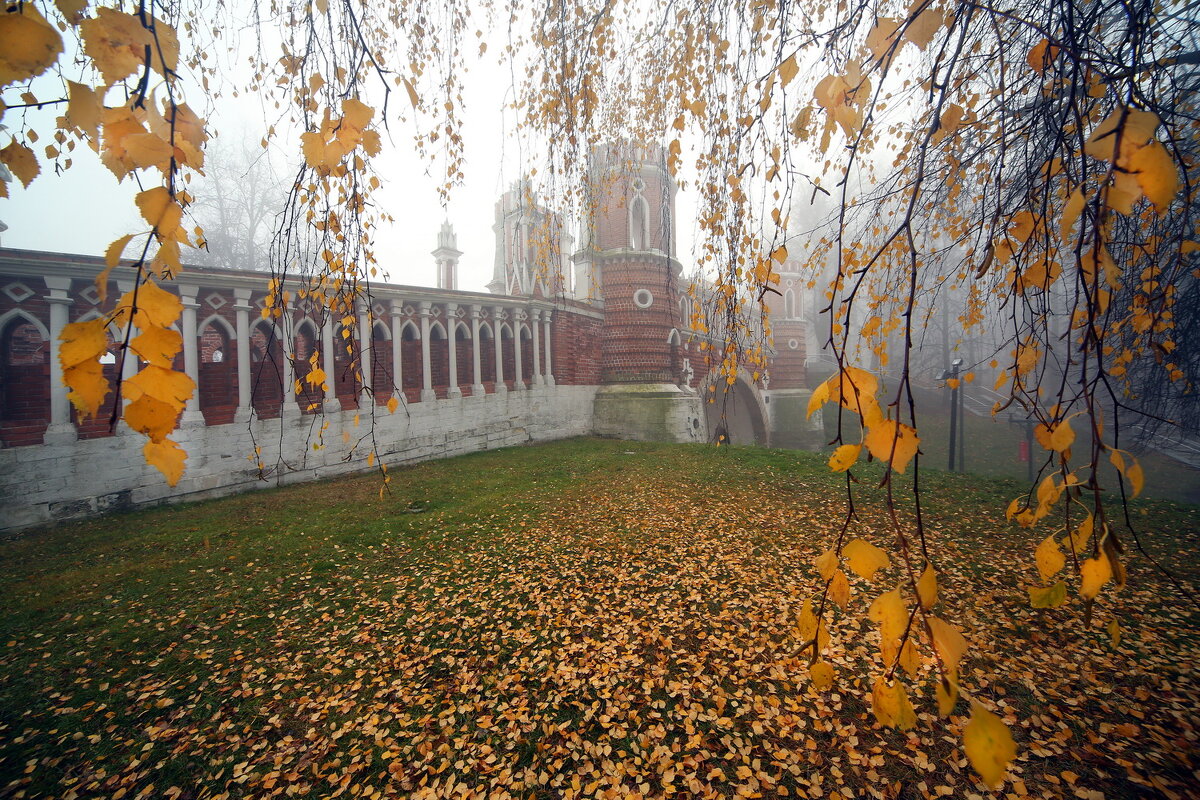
column 238, row 204
column 1039, row 152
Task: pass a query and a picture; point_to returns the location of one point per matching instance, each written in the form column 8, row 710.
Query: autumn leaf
column 167, row 457
column 22, row 161
column 157, row 345
column 891, row 706
column 844, row 457
column 152, row 417
column 839, row 589
column 927, row 588
column 988, row 745
column 156, row 307
column 892, row 442
column 116, row 43
column 1048, row 596
column 1094, row 573
column 80, row 348
column 826, row 564
column 821, row 675
column 951, row 646
column 864, row 558
column 29, row 44
column 1050, row 558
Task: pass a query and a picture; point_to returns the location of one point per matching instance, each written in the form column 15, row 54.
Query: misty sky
column 84, row 209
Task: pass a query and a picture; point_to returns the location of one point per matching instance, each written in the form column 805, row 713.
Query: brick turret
column 632, row 258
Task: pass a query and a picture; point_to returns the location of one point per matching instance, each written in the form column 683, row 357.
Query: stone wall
column 51, row 482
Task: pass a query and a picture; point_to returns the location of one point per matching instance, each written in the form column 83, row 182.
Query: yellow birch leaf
column 392, row 404
column 144, row 150
column 891, row 705
column 988, row 745
column 1114, row 632
column 864, row 558
column 412, row 93
column 927, row 588
column 157, row 346
column 112, row 256
column 156, row 308
column 161, row 383
column 889, row 612
column 922, row 29
column 71, row 10
column 1050, row 558
column 1080, row 536
column 88, row 387
column 116, row 42
column 29, row 44
column 884, row 703
column 821, row 675
column 1093, row 574
column 160, row 210
column 839, row 589
column 807, row 625
column 1136, row 128
column 910, row 659
column 819, row 397
column 826, row 564
column 81, row 341
column 371, row 459
column 167, row 457
column 1049, row 596
column 889, row 440
column 788, row 70
column 947, row 696
column 1156, row 173
column 1071, row 212
column 356, row 114
column 151, row 417
column 22, row 161
column 1041, row 55
column 949, row 643
column 1136, row 479
column 315, row 377
column 844, row 457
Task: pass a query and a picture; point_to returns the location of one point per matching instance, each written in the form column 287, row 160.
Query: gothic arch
column 15, row 313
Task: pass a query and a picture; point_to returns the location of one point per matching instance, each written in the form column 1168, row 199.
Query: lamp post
column 956, row 412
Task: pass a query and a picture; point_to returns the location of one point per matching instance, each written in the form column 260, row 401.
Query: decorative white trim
column 643, row 298
column 25, row 315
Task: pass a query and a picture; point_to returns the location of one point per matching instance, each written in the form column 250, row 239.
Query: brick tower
column 629, row 263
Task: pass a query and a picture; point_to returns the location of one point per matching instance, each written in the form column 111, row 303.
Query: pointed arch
column 639, row 223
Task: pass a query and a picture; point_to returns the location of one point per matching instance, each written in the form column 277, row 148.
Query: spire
column 446, row 256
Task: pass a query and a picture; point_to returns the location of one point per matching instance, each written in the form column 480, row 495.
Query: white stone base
column 657, row 412
column 45, row 483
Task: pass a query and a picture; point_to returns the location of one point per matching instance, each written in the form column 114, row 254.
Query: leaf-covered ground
column 585, row 618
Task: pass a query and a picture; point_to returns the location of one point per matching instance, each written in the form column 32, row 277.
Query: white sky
column 84, row 209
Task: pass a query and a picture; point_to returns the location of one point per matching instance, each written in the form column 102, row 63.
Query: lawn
column 583, row 618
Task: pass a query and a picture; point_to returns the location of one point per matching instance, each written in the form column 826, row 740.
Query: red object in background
column 1024, row 451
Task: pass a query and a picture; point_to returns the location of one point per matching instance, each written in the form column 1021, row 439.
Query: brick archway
column 740, row 413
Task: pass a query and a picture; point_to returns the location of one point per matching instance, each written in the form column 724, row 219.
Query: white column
column 397, row 350
column 477, row 388
column 365, row 338
column 518, row 378
column 192, row 418
column 129, row 359
column 497, row 313
column 452, row 349
column 287, row 369
column 549, row 376
column 331, row 404
column 427, row 393
column 241, row 308
column 60, row 430
column 534, row 317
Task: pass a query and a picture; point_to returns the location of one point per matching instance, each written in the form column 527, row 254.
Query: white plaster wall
column 55, row 482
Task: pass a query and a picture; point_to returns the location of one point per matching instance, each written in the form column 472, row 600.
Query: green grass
column 590, row 610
